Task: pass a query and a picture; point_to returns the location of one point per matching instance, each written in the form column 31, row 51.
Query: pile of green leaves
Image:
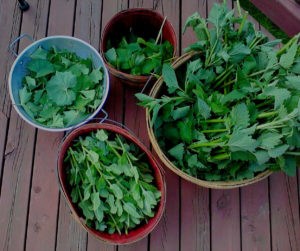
column 111, row 182
column 61, row 88
column 233, row 110
column 139, row 57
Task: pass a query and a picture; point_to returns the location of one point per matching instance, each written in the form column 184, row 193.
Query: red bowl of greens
column 136, row 43
column 112, row 183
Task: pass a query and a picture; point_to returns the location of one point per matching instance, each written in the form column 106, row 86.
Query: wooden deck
column 35, row 217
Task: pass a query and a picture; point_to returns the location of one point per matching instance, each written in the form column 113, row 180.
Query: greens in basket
column 139, row 57
column 111, row 182
column 233, row 110
column 61, row 88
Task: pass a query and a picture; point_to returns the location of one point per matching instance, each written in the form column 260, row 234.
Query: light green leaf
column 177, row 151
column 41, row 67
column 170, row 78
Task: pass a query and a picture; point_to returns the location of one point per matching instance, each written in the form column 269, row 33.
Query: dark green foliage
column 139, row 57
column 233, row 110
column 111, row 182
column 61, row 88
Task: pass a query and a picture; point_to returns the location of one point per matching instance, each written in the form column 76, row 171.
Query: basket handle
column 11, row 46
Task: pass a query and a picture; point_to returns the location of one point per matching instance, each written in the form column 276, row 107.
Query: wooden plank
column 70, row 235
column 114, row 104
column 166, row 236
column 19, row 152
column 255, row 217
column 3, row 130
column 41, row 219
column 16, row 184
column 88, row 21
column 284, row 203
column 195, row 217
column 140, row 4
column 225, row 220
column 10, row 19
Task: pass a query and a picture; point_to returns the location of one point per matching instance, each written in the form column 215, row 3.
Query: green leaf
column 241, row 141
column 96, row 75
column 30, row 82
column 24, row 95
column 59, row 88
column 240, row 115
column 202, row 108
column 169, row 77
column 293, row 82
column 262, row 157
column 177, row 151
column 85, row 205
column 101, row 135
column 111, row 56
column 131, row 210
column 74, row 117
column 277, row 151
column 280, row 95
column 185, row 130
column 41, row 67
column 287, row 59
column 238, row 52
column 40, row 53
column 99, row 215
column 180, row 112
column 117, row 191
column 111, row 202
column 95, row 197
column 269, row 140
column 290, row 166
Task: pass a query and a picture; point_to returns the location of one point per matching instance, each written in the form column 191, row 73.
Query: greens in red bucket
column 137, row 56
column 61, row 89
column 111, row 182
column 233, row 110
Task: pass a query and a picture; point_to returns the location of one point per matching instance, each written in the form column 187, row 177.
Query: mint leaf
column 277, row 151
column 238, row 52
column 202, row 108
column 40, row 53
column 180, row 112
column 280, row 95
column 269, row 140
column 74, row 117
column 59, row 88
column 24, row 95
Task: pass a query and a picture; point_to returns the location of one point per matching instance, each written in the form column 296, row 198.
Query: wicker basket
column 140, row 231
column 155, row 92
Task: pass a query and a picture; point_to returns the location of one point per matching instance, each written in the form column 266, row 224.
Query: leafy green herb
column 61, row 89
column 111, row 182
column 136, row 56
column 234, row 109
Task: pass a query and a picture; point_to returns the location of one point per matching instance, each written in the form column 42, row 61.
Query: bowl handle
column 11, row 47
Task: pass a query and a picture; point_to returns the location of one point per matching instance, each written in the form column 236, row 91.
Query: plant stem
column 264, row 103
column 214, row 130
column 239, row 8
column 203, row 144
column 160, row 30
column 212, row 121
column 267, row 114
column 292, row 153
column 243, row 23
column 223, row 79
column 220, row 157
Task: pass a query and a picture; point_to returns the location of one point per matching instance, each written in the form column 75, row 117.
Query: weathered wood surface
column 284, row 13
column 34, row 216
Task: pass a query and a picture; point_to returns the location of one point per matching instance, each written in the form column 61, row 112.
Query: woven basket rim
column 209, row 184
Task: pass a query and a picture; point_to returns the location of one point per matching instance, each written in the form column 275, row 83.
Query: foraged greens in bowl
column 61, row 88
column 136, row 56
column 233, row 110
column 111, row 182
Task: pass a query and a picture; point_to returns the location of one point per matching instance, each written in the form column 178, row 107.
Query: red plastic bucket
column 135, row 234
column 146, row 24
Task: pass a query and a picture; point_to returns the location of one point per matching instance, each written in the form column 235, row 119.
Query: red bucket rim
column 142, row 78
column 137, row 233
